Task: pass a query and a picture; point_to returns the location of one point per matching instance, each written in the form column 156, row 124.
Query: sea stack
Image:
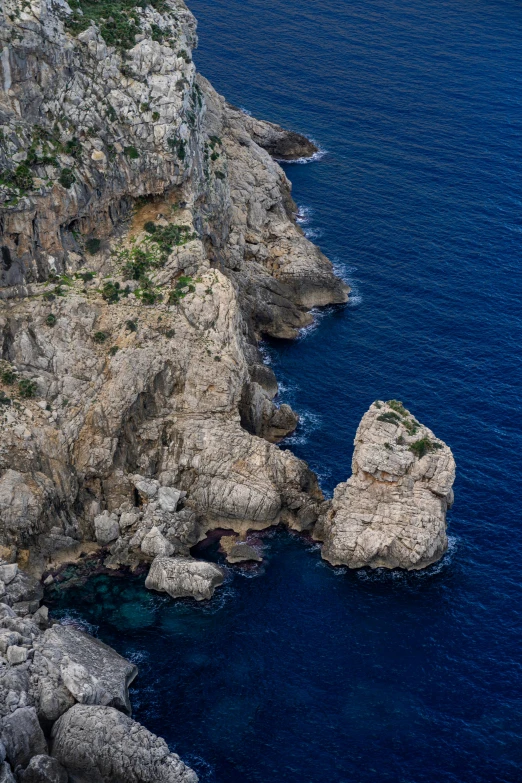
column 391, row 513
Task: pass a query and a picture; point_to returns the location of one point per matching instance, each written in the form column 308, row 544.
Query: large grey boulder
column 6, row 774
column 101, row 745
column 391, row 513
column 44, row 769
column 92, row 672
column 182, row 577
column 106, row 528
column 22, row 736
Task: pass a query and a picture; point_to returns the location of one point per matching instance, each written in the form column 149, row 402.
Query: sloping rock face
column 147, row 241
column 391, row 513
column 100, row 745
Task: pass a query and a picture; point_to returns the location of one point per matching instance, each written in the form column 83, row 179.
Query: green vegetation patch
column 27, row 388
column 118, row 20
column 424, row 446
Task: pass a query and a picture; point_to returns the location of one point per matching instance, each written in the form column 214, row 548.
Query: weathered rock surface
column 183, row 577
column 100, row 745
column 44, row 769
column 22, row 737
column 91, row 672
column 142, row 380
column 391, row 513
column 237, row 551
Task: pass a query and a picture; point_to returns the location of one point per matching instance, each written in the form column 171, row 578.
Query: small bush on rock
column 27, row 388
column 66, row 178
column 100, row 337
column 92, row 245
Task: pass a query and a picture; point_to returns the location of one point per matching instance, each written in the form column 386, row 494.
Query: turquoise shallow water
column 295, row 671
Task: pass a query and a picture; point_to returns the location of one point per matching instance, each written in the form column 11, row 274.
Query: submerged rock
column 183, row 577
column 237, row 551
column 101, row 745
column 391, row 512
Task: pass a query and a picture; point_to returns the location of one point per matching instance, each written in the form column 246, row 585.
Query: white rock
column 183, row 576
column 106, row 528
column 154, row 543
column 168, row 498
column 16, row 654
column 8, row 573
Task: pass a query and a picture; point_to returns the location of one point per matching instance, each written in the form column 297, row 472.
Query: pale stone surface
column 16, row 654
column 106, row 528
column 182, row 577
column 101, row 745
column 91, row 671
column 154, row 543
column 391, row 513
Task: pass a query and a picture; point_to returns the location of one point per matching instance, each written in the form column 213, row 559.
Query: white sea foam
column 316, row 156
column 74, row 619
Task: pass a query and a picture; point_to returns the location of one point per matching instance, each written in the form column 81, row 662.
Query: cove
column 296, row 671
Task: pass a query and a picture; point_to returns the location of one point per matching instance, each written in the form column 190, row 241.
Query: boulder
column 8, row 571
column 6, row 774
column 106, row 528
column 22, row 736
column 92, row 672
column 182, row 577
column 16, row 654
column 44, row 769
column 168, row 498
column 391, row 513
column 101, row 745
column 154, row 543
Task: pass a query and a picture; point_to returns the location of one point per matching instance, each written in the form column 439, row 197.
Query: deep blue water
column 297, row 672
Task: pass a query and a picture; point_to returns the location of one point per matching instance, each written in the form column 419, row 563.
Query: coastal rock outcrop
column 101, row 745
column 182, row 577
column 391, row 513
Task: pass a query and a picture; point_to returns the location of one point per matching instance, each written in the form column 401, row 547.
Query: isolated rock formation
column 391, row 513
column 182, row 577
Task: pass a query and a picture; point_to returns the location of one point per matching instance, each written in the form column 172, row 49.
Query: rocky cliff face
column 391, row 512
column 147, row 241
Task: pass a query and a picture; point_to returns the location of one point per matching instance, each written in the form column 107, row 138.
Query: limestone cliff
column 391, row 512
column 147, row 241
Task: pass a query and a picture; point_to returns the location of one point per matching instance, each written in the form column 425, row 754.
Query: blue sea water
column 296, row 672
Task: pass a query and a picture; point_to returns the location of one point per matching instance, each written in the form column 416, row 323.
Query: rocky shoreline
column 148, row 241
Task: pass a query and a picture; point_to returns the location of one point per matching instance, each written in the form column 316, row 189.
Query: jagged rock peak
column 391, row 512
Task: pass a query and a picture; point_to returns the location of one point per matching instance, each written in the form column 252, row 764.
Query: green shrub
column 74, row 148
column 22, row 177
column 66, row 178
column 185, row 55
column 220, row 175
column 147, row 296
column 8, row 376
column 114, row 350
column 170, row 333
column 131, row 152
column 411, row 426
column 155, row 116
column 100, row 337
column 85, row 276
column 4, row 399
column 423, row 446
column 92, row 245
column 389, row 417
column 111, row 292
column 150, row 227
column 27, row 388
column 131, row 326
column 51, row 320
column 398, row 407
